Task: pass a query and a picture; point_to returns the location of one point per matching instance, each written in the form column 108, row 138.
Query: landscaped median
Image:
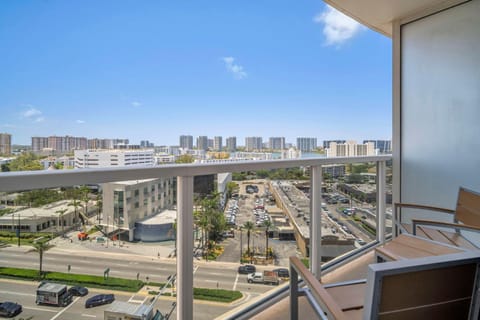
column 219, row 295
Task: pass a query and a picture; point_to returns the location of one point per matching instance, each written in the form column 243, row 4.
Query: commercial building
column 127, row 202
column 5, row 143
column 39, row 144
column 383, row 146
column 351, row 149
column 217, row 143
column 202, row 143
column 113, row 158
column 231, row 144
column 306, row 144
column 186, row 142
column 46, row 218
column 276, row 143
column 326, row 143
column 253, row 143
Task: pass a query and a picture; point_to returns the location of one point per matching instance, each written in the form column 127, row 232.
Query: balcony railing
column 17, row 181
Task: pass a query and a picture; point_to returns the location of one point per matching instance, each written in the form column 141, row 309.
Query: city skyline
column 156, row 71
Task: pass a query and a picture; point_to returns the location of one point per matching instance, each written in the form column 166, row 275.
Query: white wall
column 440, row 106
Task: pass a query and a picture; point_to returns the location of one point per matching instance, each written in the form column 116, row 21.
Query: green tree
column 185, row 158
column 25, row 162
column 99, row 206
column 267, row 224
column 84, row 191
column 75, row 203
column 231, row 187
column 61, row 212
column 249, row 226
column 40, row 247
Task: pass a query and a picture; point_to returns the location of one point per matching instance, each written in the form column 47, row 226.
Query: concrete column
column 184, row 248
column 381, row 201
column 316, row 221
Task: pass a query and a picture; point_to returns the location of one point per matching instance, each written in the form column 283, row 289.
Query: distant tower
column 5, row 143
column 186, row 142
column 232, row 144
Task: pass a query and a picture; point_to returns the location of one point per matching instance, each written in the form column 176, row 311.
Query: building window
column 137, row 205
column 137, row 193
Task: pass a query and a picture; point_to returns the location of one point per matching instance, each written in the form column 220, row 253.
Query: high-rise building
column 306, row 144
column 217, row 143
column 231, row 144
column 276, row 143
column 202, row 143
column 5, row 143
column 59, row 144
column 326, row 143
column 351, row 149
column 146, row 144
column 186, row 142
column 39, row 143
column 253, row 143
column 383, row 146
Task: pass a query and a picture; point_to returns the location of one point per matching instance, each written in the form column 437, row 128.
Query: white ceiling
column 379, row 14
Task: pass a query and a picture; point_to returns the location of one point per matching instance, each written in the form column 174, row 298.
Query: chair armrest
column 326, row 302
column 423, row 207
column 398, row 216
column 417, row 222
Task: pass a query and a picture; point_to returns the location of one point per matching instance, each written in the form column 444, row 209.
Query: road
column 23, row 292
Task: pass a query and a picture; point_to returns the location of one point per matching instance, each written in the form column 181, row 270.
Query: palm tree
column 75, row 204
column 40, row 247
column 61, row 212
column 249, row 226
column 99, row 205
column 267, row 224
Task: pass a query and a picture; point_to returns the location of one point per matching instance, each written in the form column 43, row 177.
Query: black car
column 99, row 299
column 246, row 269
column 282, row 272
column 78, row 291
column 10, row 309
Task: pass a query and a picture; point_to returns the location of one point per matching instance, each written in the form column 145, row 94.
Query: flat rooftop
column 166, row 216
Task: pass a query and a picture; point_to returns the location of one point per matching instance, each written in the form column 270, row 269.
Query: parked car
column 78, row 291
column 10, row 309
column 99, row 299
column 282, row 272
column 246, row 269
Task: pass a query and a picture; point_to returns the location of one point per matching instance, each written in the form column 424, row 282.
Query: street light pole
column 241, row 244
column 18, row 230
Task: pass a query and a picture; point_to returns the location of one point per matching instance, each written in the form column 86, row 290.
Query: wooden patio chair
column 466, row 217
column 434, row 287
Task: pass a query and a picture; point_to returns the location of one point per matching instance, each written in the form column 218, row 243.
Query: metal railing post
column 184, row 248
column 316, row 221
column 293, row 293
column 381, row 201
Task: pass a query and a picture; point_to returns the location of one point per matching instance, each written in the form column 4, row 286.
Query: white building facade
column 127, row 202
column 113, row 158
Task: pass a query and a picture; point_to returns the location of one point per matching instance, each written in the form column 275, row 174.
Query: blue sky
column 154, row 70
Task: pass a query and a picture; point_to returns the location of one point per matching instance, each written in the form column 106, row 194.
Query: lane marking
column 195, row 268
column 235, row 283
column 88, row 315
column 39, row 309
column 18, row 293
column 65, row 309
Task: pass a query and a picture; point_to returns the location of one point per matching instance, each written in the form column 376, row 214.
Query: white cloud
column 337, row 27
column 235, row 69
column 32, row 114
column 80, row 121
column 136, row 104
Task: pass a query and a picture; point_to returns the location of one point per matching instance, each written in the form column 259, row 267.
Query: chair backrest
column 438, row 287
column 468, row 207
